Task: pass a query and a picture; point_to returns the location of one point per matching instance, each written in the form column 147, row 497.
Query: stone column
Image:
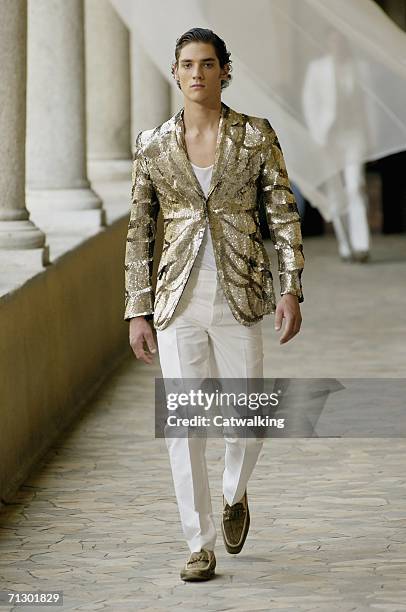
column 151, row 93
column 151, row 106
column 58, row 191
column 108, row 88
column 23, row 241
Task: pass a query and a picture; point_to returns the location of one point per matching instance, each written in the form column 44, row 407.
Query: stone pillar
column 151, row 106
column 151, row 95
column 58, row 191
column 24, row 242
column 108, row 89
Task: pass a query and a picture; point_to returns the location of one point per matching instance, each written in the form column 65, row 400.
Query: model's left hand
column 288, row 308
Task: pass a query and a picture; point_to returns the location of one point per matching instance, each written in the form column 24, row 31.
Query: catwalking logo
column 223, row 421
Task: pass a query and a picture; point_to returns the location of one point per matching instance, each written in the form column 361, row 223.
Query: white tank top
column 205, row 257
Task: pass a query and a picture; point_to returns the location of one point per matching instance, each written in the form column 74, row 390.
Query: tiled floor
column 328, row 516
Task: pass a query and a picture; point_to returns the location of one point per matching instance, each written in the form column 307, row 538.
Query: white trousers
column 203, row 339
column 351, row 228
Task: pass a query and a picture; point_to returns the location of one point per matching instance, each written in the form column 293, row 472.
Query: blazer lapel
column 224, row 146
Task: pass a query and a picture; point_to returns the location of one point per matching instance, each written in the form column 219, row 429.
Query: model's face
column 198, row 65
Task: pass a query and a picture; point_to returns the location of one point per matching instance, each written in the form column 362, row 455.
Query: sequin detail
column 248, row 168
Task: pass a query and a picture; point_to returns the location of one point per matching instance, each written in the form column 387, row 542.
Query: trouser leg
column 237, row 352
column 184, row 353
column 337, row 199
column 354, row 177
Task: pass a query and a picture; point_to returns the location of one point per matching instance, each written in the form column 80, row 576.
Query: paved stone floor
column 99, row 521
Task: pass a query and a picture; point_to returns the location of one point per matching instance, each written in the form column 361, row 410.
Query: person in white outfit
column 334, row 111
column 208, row 316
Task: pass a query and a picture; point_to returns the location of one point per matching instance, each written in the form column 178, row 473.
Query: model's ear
column 175, row 71
column 225, row 71
column 176, row 77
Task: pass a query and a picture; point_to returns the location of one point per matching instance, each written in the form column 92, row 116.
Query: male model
column 207, row 168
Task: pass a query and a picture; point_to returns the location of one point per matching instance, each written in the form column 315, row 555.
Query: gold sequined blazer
column 248, row 167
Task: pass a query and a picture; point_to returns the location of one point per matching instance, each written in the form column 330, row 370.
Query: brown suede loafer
column 235, row 524
column 200, row 566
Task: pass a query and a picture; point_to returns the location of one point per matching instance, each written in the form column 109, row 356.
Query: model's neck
column 200, row 118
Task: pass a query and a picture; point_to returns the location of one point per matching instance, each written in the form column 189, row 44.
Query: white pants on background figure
column 203, row 339
column 351, row 228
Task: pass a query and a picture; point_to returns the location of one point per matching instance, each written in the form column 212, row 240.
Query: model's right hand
column 140, row 332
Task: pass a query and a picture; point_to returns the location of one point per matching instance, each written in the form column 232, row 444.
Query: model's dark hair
column 206, row 36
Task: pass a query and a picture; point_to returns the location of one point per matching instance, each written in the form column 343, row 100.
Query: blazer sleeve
column 139, row 251
column 282, row 214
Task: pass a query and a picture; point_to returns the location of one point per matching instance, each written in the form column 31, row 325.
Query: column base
column 21, row 242
column 27, row 258
column 72, row 210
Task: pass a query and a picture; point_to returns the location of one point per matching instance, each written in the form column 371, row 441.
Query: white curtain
column 330, row 75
